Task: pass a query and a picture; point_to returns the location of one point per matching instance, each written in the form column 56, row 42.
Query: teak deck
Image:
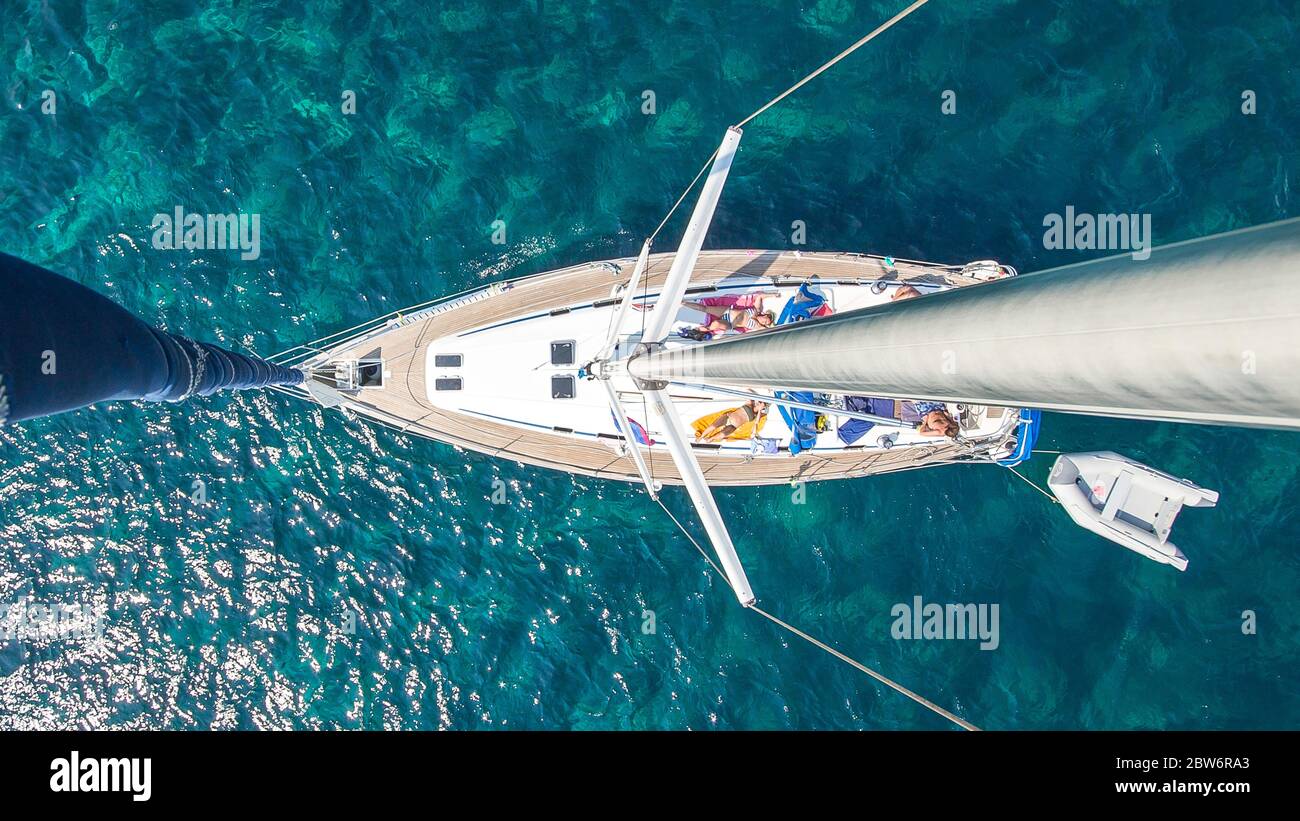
column 401, row 403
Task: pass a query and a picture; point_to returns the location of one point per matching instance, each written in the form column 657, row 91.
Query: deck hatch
column 563, row 387
column 448, row 383
column 563, row 352
column 448, row 360
column 370, row 373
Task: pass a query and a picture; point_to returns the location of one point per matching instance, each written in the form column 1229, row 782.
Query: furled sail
column 1202, row 331
column 64, row 346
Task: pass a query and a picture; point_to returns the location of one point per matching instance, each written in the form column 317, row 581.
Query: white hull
column 505, row 375
column 493, row 346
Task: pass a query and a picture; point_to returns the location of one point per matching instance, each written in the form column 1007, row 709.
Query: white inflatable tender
column 1126, row 501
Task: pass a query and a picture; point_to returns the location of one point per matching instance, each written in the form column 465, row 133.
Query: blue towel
column 802, row 423
column 801, row 306
column 854, row 429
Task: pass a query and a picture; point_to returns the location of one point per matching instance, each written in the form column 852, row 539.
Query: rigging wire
column 845, row 53
column 673, row 210
column 883, row 27
column 929, row 705
column 924, row 702
column 883, row 679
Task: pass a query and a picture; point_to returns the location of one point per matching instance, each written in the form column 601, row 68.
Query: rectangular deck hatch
column 563, row 387
column 563, row 352
column 448, row 383
column 370, row 373
column 447, row 360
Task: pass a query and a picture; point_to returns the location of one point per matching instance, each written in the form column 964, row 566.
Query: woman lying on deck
column 746, row 419
column 742, row 313
column 930, row 418
column 732, row 313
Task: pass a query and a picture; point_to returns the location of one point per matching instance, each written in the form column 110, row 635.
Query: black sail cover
column 64, row 346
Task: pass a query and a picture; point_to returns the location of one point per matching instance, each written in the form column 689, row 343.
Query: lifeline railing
column 423, row 310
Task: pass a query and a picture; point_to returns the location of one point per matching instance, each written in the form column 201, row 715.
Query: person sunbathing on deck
column 935, row 420
column 739, row 320
column 905, row 292
column 930, row 418
column 724, row 426
column 731, row 313
column 741, row 313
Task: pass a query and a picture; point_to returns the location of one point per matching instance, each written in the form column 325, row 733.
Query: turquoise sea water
column 530, row 614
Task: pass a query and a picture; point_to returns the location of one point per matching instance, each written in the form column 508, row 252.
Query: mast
column 65, row 346
column 1201, row 331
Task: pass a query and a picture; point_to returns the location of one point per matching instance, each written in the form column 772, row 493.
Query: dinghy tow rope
column 883, row 679
column 1034, row 485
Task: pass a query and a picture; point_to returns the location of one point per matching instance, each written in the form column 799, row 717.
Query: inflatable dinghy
column 1126, row 502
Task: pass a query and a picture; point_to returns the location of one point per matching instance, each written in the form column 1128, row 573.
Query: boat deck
column 402, row 341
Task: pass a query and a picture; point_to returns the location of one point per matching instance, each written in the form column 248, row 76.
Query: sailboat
column 541, row 370
column 706, row 368
column 750, row 367
column 587, row 369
